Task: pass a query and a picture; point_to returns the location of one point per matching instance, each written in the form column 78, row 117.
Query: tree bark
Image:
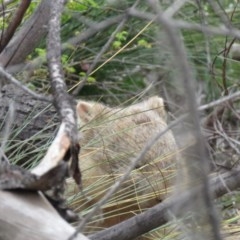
column 15, row 22
column 31, row 115
column 27, row 38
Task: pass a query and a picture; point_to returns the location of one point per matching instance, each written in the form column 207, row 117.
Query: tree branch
column 15, row 22
column 221, row 30
column 197, row 166
column 97, row 27
column 67, row 137
column 27, row 38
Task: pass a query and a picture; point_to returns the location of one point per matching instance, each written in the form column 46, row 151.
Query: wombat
column 111, row 139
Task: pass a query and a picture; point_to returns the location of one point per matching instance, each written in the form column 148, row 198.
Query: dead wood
column 28, row 215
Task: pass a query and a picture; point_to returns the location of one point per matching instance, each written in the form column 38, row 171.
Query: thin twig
column 180, row 24
column 202, row 14
column 103, row 50
column 99, row 55
column 221, row 13
column 231, row 97
column 98, row 27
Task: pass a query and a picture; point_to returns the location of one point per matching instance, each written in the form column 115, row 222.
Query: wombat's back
column 111, row 139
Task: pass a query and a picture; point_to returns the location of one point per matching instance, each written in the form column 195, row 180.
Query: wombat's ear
column 86, row 111
column 157, row 104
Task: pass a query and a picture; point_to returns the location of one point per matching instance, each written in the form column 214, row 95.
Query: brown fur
column 111, row 139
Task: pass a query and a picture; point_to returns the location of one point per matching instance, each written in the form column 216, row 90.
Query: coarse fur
column 111, row 139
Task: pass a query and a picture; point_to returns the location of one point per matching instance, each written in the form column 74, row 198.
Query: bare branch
column 16, row 21
column 219, row 12
column 82, row 37
column 67, row 137
column 99, row 55
column 198, row 168
column 103, row 50
column 27, row 37
column 97, row 27
column 231, row 97
column 221, row 30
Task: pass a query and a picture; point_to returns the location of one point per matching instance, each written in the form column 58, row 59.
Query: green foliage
column 148, row 52
column 121, row 38
column 144, row 43
column 90, row 80
column 82, row 5
column 41, row 52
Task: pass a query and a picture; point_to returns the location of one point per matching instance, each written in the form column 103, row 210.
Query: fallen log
column 28, row 215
